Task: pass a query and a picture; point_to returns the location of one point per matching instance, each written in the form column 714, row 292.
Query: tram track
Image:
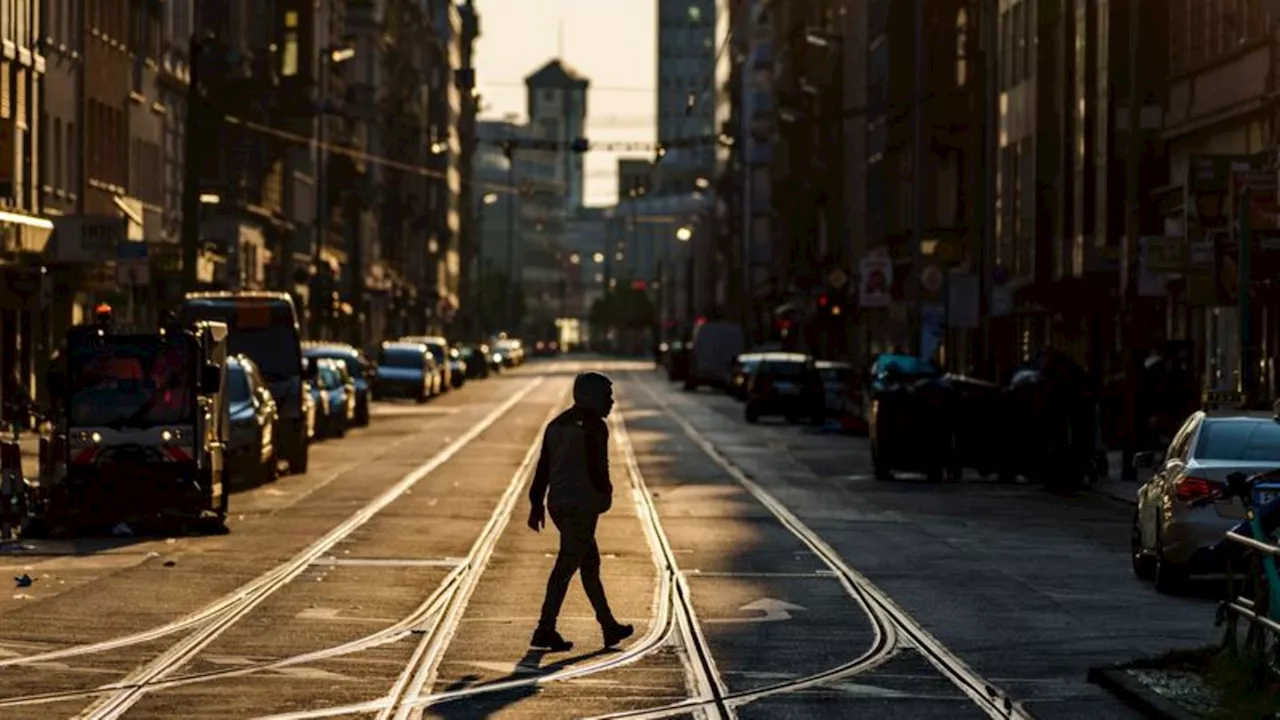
column 436, row 619
column 890, row 622
column 214, row 619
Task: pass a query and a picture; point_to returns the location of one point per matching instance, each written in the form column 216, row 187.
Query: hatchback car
column 356, row 365
column 254, row 415
column 406, row 370
column 1180, row 513
column 781, row 384
column 334, row 397
column 457, row 368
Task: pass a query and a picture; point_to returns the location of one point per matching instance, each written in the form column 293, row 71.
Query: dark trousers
column 578, row 551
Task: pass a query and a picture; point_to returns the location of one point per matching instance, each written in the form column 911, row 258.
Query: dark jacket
column 573, row 469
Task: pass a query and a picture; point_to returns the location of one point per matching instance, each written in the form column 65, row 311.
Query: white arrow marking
column 774, row 611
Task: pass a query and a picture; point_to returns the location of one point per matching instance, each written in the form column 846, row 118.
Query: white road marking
column 774, row 611
column 333, row 615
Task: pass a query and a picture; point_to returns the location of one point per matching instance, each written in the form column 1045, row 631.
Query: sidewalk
column 1114, row 485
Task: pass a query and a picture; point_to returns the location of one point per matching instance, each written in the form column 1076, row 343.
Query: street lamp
column 490, row 198
column 684, row 234
column 598, row 257
column 575, row 258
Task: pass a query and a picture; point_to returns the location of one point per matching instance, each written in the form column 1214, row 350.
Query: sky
column 612, row 42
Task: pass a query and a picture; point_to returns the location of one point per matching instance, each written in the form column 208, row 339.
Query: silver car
column 1180, row 513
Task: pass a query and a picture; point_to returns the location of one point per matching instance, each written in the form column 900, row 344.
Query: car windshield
column 237, row 384
column 132, row 382
column 788, row 370
column 1239, row 440
column 403, row 359
column 834, row 375
column 329, row 377
column 354, row 365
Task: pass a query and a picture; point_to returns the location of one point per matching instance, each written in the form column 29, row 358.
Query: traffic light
column 822, row 300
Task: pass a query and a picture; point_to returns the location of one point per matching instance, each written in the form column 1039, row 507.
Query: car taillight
column 1191, row 489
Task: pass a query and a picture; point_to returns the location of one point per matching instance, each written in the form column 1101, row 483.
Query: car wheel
column 1144, row 566
column 300, row 457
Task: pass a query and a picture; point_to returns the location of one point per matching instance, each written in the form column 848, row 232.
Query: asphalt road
column 767, row 573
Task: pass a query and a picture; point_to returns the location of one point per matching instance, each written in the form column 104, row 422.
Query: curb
column 1136, row 695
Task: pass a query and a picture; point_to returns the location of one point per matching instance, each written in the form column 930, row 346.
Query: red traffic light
column 822, row 300
column 638, row 285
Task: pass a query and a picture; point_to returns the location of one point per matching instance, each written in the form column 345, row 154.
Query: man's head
column 593, row 391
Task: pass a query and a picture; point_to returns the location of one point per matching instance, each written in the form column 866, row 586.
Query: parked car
column 511, row 350
column 1181, row 513
column 711, row 353
column 781, row 384
column 740, row 372
column 546, row 348
column 264, row 326
column 439, row 348
column 831, row 389
column 457, row 368
column 476, row 361
column 356, row 365
column 334, row 397
column 406, row 370
column 676, row 360
column 251, row 449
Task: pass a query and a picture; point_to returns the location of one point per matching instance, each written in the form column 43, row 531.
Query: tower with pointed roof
column 557, row 106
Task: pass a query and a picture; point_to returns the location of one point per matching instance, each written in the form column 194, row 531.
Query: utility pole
column 988, row 144
column 509, row 299
column 1133, row 217
column 917, row 188
column 321, row 238
column 195, row 124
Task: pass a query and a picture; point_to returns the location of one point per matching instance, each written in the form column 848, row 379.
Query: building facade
column 24, row 232
column 687, row 92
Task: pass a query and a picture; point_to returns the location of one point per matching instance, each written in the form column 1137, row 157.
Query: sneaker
column 549, row 640
column 616, row 633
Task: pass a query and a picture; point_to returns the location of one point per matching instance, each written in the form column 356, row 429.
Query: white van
column 715, row 344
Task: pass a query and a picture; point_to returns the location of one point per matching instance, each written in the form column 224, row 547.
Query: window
column 1239, row 440
column 289, row 58
column 962, row 48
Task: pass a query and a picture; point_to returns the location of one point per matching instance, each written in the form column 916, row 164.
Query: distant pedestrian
column 573, row 477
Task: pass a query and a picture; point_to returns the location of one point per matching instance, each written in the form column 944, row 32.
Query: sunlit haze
column 612, row 42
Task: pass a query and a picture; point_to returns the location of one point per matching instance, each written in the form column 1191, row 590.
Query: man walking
column 573, row 477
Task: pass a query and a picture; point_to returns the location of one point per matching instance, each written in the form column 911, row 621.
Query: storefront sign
column 877, row 276
column 87, row 239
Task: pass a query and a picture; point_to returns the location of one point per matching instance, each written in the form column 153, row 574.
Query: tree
column 623, row 308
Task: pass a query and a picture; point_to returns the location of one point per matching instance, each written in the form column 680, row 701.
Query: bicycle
column 1260, row 595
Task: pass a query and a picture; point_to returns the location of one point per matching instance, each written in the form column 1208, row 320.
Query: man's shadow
column 486, row 704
